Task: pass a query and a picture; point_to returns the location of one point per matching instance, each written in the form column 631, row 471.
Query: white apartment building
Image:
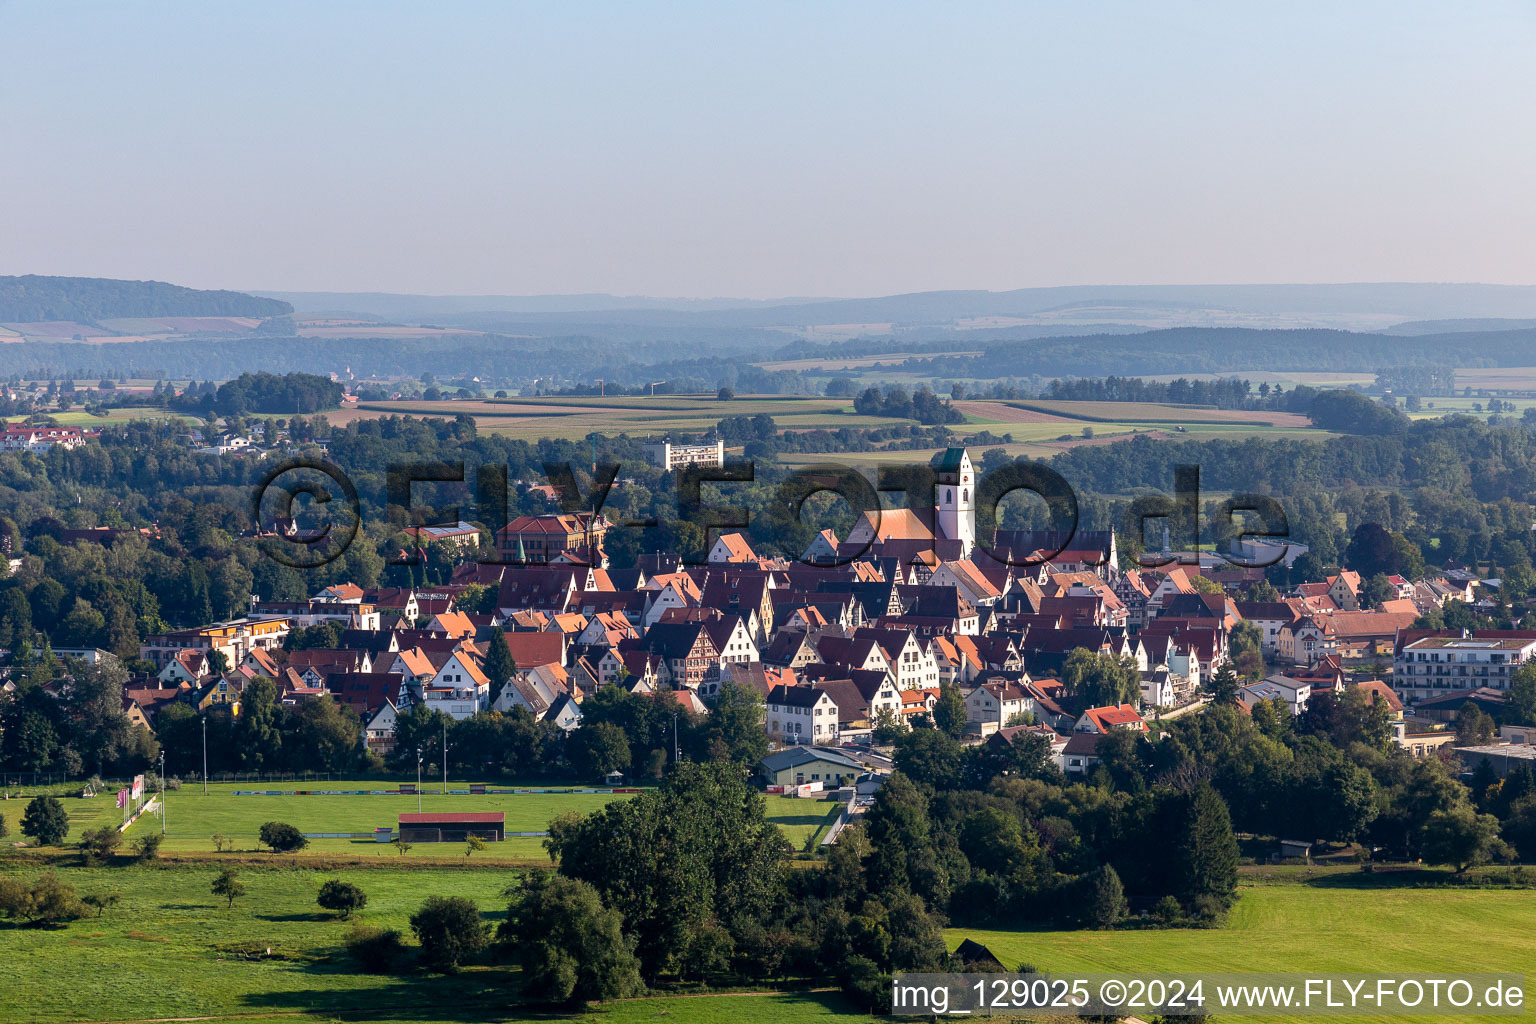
column 666, row 455
column 1437, row 665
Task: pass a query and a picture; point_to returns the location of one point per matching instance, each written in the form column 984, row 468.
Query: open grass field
column 192, row 819
column 1284, row 923
column 171, row 949
column 530, row 419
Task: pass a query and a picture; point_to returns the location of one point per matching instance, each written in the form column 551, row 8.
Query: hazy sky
column 766, row 149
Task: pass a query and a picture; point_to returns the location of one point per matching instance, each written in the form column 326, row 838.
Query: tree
column 1522, row 695
column 341, row 898
column 46, row 821
column 949, row 711
column 1245, row 646
column 450, row 931
column 571, row 948
column 473, row 844
column 499, row 665
column 147, row 846
column 5, row 829
column 329, row 733
column 1474, row 728
column 734, row 729
column 1203, row 585
column 1106, row 905
column 699, row 849
column 1461, row 838
column 1097, row 679
column 1207, row 853
column 724, row 395
column 227, row 884
column 599, row 748
column 1520, row 827
column 101, row 902
column 1223, row 686
column 281, row 837
column 258, row 738
column 98, row 844
column 929, row 756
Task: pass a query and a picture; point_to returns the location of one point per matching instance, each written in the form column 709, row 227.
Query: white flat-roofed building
column 666, row 455
column 1436, row 665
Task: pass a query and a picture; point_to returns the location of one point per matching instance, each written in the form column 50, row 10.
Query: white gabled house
column 801, row 714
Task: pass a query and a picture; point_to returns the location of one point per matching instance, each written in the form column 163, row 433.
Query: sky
column 765, row 150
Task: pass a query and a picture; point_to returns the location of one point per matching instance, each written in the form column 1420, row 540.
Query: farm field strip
column 1159, row 412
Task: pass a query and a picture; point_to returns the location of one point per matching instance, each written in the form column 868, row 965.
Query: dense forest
column 33, row 298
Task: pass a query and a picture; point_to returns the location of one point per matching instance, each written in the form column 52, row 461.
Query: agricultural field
column 1293, row 920
column 1143, row 412
column 192, row 819
column 81, row 418
column 530, row 419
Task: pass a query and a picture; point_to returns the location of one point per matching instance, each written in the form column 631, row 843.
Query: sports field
column 192, row 819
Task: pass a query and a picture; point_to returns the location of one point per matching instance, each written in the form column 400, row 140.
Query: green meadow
column 192, row 819
column 1296, row 921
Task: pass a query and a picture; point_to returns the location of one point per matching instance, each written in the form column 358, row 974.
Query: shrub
column 147, row 846
column 376, row 950
column 282, row 837
column 449, row 930
column 344, row 898
column 46, row 821
column 5, row 829
column 48, row 900
column 99, row 844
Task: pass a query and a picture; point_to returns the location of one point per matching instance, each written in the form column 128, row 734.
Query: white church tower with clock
column 957, row 499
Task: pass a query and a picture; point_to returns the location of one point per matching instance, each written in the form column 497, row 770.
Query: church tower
column 957, row 499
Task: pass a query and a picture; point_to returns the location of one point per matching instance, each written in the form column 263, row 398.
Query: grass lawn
column 1283, row 923
column 192, row 819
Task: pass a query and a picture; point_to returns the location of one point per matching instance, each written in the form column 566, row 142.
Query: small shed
column 452, row 827
column 1299, row 849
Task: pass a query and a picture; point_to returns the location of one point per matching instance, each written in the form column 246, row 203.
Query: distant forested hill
column 31, row 299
